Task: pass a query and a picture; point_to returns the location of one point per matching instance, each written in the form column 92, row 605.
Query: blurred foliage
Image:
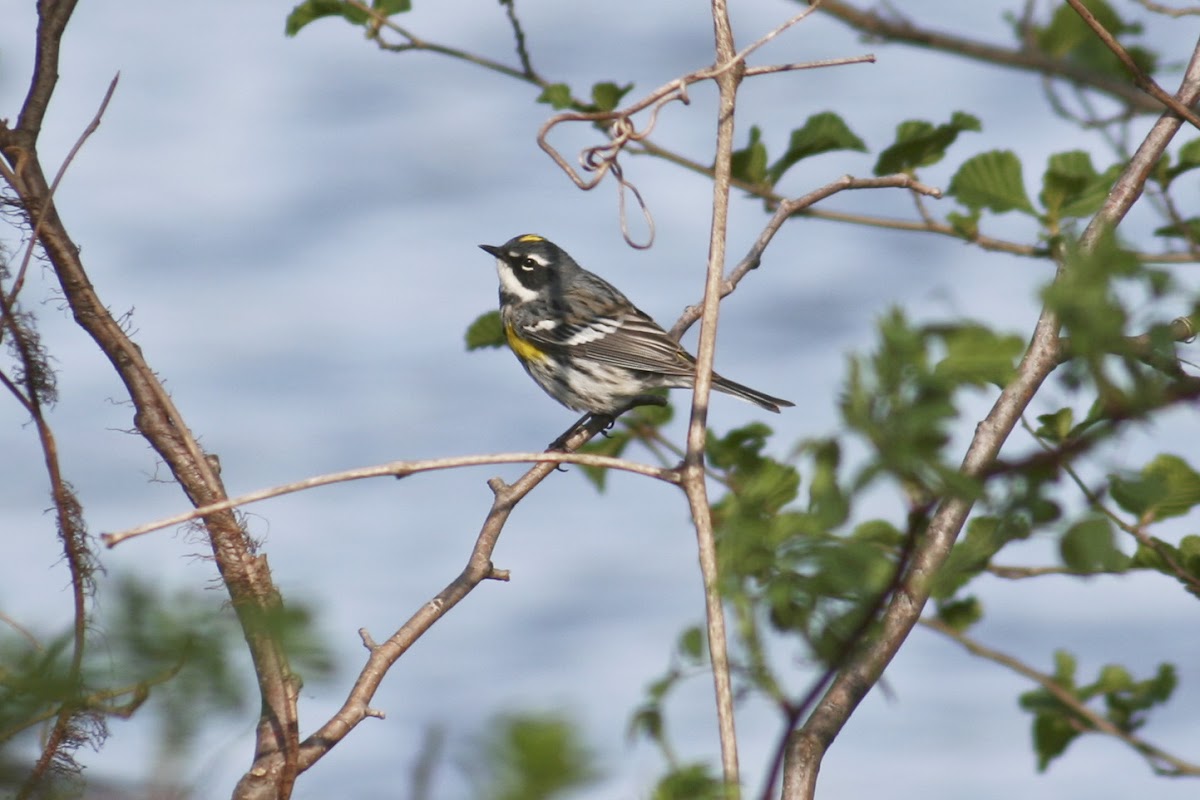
column 178, row 654
column 1125, row 704
column 529, row 756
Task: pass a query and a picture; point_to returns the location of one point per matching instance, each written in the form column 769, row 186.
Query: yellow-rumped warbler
column 583, row 342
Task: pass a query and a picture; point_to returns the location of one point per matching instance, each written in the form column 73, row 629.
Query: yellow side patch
column 531, row 237
column 524, row 349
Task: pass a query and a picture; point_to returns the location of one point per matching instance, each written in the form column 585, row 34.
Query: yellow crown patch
column 531, row 237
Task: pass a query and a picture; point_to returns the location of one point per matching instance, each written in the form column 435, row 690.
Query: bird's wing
column 625, row 337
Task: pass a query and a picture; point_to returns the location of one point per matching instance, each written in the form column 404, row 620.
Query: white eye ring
column 527, row 264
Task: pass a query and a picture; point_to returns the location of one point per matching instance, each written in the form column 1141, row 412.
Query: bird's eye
column 528, row 264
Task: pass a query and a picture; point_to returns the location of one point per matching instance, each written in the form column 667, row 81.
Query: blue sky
column 292, row 224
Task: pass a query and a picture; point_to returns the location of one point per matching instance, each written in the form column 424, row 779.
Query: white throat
column 510, row 284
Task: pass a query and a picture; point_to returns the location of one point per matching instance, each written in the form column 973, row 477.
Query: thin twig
column 397, row 469
column 787, row 209
column 1159, row 760
column 1159, row 8
column 892, row 29
column 1140, row 77
column 479, row 568
column 58, row 176
column 692, row 473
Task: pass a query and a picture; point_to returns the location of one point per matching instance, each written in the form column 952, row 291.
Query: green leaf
column 647, row 721
column 1064, row 668
column 960, row 614
column 312, row 10
column 485, row 331
column 649, row 416
column 965, row 225
column 1052, row 734
column 741, row 447
column 985, row 537
column 919, row 143
column 1056, row 427
column 1166, row 487
column 750, row 163
column 827, row 501
column 556, row 95
column 1088, row 304
column 691, row 645
column 1188, row 159
column 1089, row 546
column 612, row 445
column 690, row 782
column 390, row 7
column 1071, row 187
column 821, row 133
column 992, row 180
column 977, row 355
column 607, row 95
column 1113, row 678
column 1188, row 229
column 1069, row 37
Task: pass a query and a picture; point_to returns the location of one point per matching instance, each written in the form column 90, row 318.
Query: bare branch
column 1159, row 8
column 818, row 64
column 692, row 474
column 784, row 211
column 897, row 29
column 58, row 176
column 397, row 469
column 1140, row 77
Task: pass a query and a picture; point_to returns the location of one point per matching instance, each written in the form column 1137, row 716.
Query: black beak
column 491, row 248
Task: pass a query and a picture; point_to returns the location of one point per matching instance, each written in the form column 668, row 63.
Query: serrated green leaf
column 1072, row 188
column 821, row 133
column 312, row 10
column 556, row 95
column 750, row 163
column 1166, row 487
column 485, row 331
column 607, row 95
column 1056, row 427
column 1066, row 176
column 1090, row 546
column 992, row 180
column 919, row 143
